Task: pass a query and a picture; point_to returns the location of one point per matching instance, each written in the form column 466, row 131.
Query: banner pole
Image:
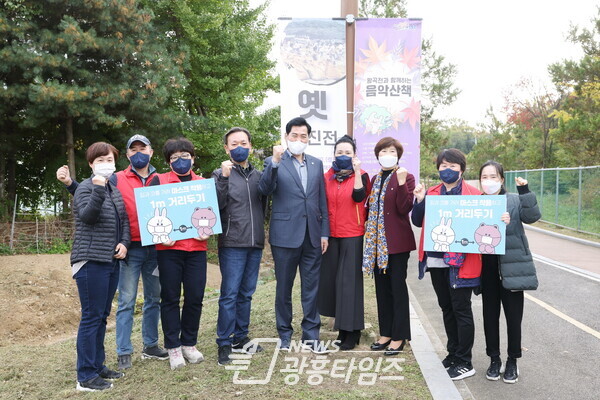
column 349, row 10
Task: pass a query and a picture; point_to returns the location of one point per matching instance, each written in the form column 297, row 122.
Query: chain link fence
column 568, row 197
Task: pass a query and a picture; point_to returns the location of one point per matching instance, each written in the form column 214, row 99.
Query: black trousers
column 457, row 314
column 392, row 298
column 341, row 284
column 494, row 296
column 179, row 268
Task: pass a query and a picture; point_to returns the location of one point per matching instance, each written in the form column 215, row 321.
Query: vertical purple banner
column 387, row 89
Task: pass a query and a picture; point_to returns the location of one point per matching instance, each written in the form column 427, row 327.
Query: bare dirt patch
column 39, row 301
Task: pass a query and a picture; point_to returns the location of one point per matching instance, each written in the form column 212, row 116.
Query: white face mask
column 388, row 161
column 203, row 222
column 490, row 187
column 486, row 240
column 105, row 169
column 297, row 147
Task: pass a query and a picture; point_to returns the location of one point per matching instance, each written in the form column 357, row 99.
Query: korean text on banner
column 465, row 224
column 387, row 89
column 312, row 67
column 177, row 211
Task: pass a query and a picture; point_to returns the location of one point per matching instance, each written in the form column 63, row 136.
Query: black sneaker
column 124, row 361
column 246, row 346
column 511, row 374
column 155, row 352
column 449, row 361
column 94, row 385
column 494, row 370
column 110, row 374
column 224, row 353
column 461, row 370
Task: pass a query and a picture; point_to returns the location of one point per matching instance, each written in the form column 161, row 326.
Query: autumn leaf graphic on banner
column 410, row 57
column 357, row 94
column 412, row 112
column 387, row 90
column 375, row 54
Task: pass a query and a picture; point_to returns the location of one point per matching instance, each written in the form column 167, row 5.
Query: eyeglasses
column 185, row 156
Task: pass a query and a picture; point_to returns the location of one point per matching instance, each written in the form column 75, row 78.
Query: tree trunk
column 70, row 147
column 70, row 160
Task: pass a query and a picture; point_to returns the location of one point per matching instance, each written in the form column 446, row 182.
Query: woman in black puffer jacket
column 101, row 240
column 504, row 277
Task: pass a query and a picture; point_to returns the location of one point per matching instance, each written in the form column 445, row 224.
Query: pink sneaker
column 192, row 354
column 176, row 358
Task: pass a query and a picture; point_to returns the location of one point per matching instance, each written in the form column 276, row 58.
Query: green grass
column 48, row 371
column 567, row 213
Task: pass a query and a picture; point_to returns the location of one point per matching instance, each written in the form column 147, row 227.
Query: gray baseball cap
column 138, row 138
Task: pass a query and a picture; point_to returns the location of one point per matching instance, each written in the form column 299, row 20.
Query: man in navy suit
column 299, row 229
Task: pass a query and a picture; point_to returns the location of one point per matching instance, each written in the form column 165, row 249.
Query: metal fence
column 568, row 197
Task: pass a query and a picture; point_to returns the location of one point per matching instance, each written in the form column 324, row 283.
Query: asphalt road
column 561, row 328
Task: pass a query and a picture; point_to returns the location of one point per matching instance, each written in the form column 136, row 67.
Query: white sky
column 493, row 44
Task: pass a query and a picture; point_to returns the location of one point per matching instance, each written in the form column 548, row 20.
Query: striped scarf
column 375, row 242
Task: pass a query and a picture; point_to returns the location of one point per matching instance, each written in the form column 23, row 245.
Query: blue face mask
column 342, row 162
column 139, row 160
column 239, row 154
column 181, row 166
column 449, row 175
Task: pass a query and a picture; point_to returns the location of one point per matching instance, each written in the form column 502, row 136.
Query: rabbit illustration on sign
column 487, row 237
column 160, row 226
column 442, row 235
column 204, row 219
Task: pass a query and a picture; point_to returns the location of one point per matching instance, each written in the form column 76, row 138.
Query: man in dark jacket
column 242, row 210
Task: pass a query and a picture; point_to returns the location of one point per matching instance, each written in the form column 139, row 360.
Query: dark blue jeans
column 97, row 284
column 239, row 273
column 179, row 268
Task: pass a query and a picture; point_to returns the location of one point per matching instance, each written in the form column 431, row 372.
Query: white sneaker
column 192, row 354
column 176, row 358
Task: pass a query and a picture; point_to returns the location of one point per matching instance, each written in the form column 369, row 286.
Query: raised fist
column 356, row 164
column 401, row 173
column 520, row 181
column 226, row 168
column 277, row 153
column 419, row 193
column 99, row 180
column 62, row 174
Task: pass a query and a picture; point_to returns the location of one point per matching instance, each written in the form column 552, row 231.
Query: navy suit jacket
column 293, row 210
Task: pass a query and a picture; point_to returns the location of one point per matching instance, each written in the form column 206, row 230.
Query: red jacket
column 346, row 217
column 127, row 180
column 396, row 206
column 471, row 267
column 186, row 244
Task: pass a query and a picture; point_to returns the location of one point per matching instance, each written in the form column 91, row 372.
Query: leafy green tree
column 578, row 132
column 77, row 71
column 229, row 71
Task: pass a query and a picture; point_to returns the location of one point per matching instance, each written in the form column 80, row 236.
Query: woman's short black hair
column 234, row 130
column 454, row 156
column 100, row 149
column 179, row 144
column 345, row 139
column 495, row 164
column 298, row 121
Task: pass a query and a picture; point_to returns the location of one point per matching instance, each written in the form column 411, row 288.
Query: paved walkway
column 561, row 328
